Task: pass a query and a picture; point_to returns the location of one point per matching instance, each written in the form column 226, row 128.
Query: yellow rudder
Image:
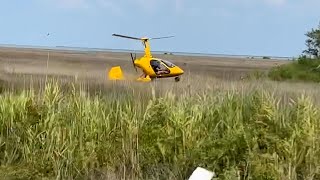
column 115, row 73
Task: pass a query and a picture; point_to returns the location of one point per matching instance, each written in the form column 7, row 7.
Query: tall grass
column 154, row 133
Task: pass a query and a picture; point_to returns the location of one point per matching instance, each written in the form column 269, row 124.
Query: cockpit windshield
column 169, row 64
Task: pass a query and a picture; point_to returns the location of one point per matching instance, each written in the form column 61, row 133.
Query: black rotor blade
column 162, row 37
column 129, row 37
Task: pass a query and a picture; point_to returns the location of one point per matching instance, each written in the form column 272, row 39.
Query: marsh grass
column 246, row 130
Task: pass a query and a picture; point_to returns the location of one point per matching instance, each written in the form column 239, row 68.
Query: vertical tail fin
column 115, row 73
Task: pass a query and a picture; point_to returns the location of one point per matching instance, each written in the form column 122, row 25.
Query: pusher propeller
column 133, row 58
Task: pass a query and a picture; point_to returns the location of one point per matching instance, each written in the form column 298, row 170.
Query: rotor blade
column 129, row 37
column 162, row 37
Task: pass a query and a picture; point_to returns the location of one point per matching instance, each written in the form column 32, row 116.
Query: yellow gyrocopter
column 152, row 67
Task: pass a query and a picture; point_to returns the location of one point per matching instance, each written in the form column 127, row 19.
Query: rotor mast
column 147, row 49
column 145, row 42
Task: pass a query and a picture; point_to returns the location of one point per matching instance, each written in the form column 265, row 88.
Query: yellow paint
column 146, row 79
column 147, row 49
column 115, row 73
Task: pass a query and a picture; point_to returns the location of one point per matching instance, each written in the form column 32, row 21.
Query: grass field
column 85, row 128
column 95, row 64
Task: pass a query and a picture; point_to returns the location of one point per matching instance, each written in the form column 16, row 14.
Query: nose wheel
column 177, row 79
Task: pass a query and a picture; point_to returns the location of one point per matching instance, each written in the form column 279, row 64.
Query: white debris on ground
column 202, row 174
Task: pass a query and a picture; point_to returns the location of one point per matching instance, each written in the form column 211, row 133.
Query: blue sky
column 255, row 27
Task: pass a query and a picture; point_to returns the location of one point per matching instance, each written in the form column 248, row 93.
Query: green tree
column 313, row 42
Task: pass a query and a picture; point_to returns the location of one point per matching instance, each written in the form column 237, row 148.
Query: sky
column 239, row 27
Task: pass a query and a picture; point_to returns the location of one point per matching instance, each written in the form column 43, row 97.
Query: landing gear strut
column 177, row 79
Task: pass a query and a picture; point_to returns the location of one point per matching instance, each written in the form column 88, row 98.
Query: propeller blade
column 129, row 37
column 132, row 58
column 144, row 39
column 133, row 62
column 162, row 37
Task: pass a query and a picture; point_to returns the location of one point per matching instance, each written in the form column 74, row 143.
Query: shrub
column 304, row 69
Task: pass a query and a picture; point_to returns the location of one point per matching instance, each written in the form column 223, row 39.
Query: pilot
column 155, row 64
column 158, row 68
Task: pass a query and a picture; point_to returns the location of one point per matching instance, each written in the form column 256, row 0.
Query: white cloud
column 179, row 5
column 260, row 2
column 276, row 2
column 110, row 5
column 71, row 3
column 150, row 5
column 114, row 5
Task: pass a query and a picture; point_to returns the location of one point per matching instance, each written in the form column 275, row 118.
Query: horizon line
column 141, row 51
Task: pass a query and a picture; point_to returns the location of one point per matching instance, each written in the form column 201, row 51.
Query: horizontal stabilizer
column 115, row 73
